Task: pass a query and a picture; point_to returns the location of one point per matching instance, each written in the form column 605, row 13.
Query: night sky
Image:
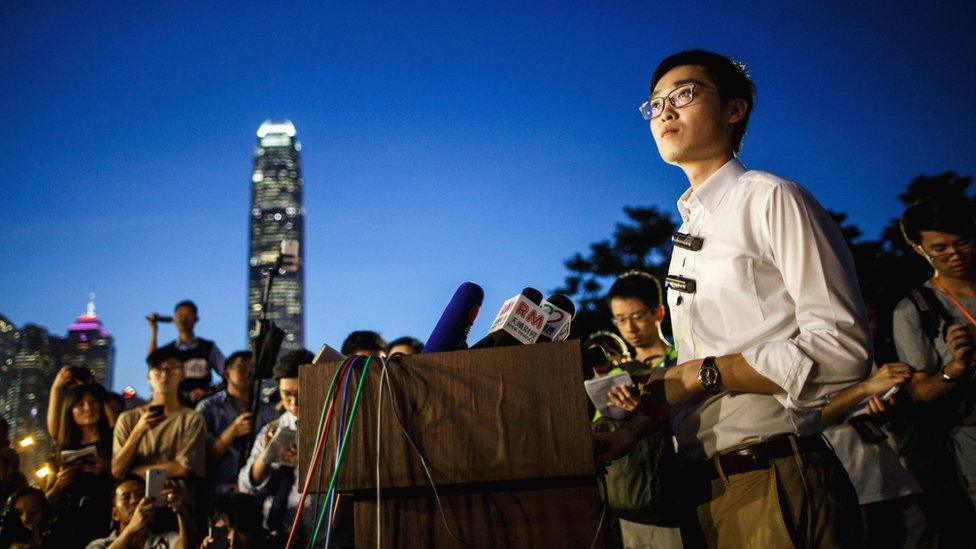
column 441, row 143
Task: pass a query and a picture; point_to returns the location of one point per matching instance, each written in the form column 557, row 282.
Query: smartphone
column 158, row 410
column 81, row 374
column 219, row 536
column 155, row 482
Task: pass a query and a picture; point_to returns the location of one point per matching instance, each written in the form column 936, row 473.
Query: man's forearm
column 841, row 403
column 122, row 460
column 926, row 387
column 173, row 469
column 681, row 381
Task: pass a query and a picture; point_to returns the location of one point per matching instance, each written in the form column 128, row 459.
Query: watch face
column 709, row 376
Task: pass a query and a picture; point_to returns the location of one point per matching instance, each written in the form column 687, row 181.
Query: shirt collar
column 710, row 193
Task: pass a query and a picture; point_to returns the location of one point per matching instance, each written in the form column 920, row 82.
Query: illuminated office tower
column 26, row 396
column 276, row 215
column 89, row 344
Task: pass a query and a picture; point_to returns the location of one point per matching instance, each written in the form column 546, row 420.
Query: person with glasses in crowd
column 640, row 484
column 163, row 434
column 768, row 321
column 933, row 329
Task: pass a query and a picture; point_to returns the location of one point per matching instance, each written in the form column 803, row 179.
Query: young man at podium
column 768, row 322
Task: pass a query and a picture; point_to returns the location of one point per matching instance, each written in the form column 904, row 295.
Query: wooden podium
column 504, row 431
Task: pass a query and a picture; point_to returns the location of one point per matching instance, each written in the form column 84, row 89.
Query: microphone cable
column 331, row 502
column 423, row 461
column 325, row 419
column 341, row 451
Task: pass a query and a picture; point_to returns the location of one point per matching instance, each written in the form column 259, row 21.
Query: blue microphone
column 451, row 331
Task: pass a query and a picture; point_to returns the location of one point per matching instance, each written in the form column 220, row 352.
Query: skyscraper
column 89, row 344
column 276, row 215
column 26, row 396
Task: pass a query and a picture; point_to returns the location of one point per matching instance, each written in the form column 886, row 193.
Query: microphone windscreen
column 561, row 311
column 535, row 296
column 451, row 331
column 564, row 303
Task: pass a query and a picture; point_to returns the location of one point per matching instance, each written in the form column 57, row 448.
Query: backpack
column 642, row 485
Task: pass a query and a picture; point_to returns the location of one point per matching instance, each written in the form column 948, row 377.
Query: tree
column 642, row 242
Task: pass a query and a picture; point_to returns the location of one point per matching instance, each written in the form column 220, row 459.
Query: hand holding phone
column 155, row 482
column 218, row 538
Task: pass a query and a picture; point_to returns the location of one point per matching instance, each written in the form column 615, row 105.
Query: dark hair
column 241, row 511
column 31, row 491
column 637, row 285
column 728, row 75
column 237, row 355
column 128, row 478
column 287, row 366
column 363, row 340
column 187, row 303
column 69, row 434
column 411, row 342
column 161, row 355
column 930, row 214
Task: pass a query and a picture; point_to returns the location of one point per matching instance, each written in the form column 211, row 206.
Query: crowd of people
column 183, row 470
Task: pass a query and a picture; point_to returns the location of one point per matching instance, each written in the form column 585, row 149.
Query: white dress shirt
column 776, row 283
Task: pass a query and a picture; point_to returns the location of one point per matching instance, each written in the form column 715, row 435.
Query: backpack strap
column 932, row 314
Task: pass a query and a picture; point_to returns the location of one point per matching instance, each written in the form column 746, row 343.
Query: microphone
column 561, row 311
column 451, row 331
column 520, row 321
column 159, row 318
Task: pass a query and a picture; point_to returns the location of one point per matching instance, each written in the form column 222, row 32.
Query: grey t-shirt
column 915, row 349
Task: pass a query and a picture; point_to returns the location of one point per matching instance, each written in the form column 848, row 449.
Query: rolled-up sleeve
column 832, row 346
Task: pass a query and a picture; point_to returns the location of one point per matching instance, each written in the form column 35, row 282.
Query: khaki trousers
column 799, row 501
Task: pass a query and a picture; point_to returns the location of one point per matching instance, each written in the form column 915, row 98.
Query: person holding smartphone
column 271, row 470
column 235, row 523
column 933, row 329
column 163, row 434
column 134, row 515
column 80, row 484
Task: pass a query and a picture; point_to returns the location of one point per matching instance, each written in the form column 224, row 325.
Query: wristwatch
column 946, row 378
column 709, row 376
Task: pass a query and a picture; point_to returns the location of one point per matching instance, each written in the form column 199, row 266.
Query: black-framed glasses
column 682, row 96
column 637, row 317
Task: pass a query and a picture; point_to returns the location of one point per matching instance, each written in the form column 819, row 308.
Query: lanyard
column 955, row 301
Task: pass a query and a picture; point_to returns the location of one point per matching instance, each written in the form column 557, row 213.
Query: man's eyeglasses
column 635, row 318
column 960, row 247
column 168, row 371
column 682, row 96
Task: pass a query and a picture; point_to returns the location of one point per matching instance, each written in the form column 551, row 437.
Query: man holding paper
column 271, row 470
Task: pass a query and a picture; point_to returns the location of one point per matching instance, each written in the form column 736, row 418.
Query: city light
column 44, row 471
column 26, row 442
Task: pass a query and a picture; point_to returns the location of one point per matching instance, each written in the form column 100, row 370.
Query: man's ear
column 738, row 109
column 659, row 313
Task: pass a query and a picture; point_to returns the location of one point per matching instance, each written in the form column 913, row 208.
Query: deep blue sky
column 442, row 142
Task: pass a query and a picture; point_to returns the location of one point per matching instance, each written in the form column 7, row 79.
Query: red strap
column 955, row 301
